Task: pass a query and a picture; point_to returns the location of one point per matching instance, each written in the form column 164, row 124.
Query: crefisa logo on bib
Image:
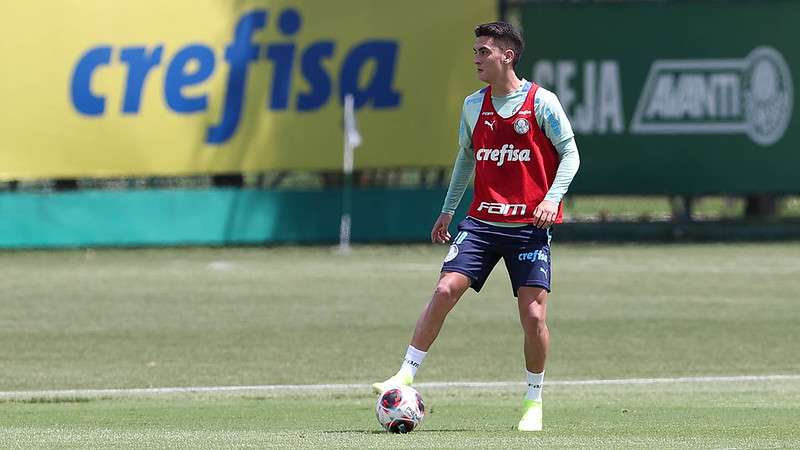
column 751, row 96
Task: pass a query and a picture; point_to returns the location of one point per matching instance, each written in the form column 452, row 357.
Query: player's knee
column 533, row 320
column 444, row 292
column 447, row 292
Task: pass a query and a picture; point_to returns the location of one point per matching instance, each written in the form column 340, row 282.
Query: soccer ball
column 400, row 409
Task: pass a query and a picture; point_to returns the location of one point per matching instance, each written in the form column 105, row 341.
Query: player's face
column 490, row 60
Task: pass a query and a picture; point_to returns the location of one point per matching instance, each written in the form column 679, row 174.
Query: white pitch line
column 152, row 392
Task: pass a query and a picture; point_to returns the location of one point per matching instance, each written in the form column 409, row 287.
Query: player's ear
column 508, row 56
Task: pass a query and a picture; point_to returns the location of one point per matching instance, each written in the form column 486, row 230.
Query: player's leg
column 532, row 305
column 449, row 289
column 468, row 263
column 527, row 259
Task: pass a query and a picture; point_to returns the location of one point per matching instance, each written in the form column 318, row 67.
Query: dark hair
column 505, row 35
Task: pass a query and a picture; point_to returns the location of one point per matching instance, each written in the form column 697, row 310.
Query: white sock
column 412, row 361
column 535, row 381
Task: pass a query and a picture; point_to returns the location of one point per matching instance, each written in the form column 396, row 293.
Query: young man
column 517, row 140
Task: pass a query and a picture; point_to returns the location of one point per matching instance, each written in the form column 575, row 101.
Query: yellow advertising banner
column 132, row 88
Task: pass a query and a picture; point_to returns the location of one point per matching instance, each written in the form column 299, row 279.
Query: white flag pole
column 352, row 139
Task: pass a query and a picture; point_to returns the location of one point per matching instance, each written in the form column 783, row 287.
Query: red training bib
column 515, row 163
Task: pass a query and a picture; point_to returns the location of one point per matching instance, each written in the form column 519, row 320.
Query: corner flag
column 351, row 134
column 352, row 139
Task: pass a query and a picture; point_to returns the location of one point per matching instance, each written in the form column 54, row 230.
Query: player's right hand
column 440, row 234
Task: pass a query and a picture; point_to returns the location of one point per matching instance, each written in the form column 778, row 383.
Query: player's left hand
column 545, row 214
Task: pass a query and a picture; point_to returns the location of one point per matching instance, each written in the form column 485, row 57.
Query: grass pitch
column 302, row 315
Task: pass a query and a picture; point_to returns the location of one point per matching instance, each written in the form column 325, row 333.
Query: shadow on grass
column 353, row 432
column 443, row 430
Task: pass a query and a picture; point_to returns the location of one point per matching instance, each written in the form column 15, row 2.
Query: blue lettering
column 177, row 78
column 282, row 56
column 316, row 76
column 533, row 256
column 238, row 54
column 83, row 99
column 289, row 21
column 139, row 65
column 367, row 71
column 379, row 89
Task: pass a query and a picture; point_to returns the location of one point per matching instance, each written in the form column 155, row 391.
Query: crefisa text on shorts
column 536, row 255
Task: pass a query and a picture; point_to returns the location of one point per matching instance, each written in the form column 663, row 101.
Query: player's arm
column 552, row 119
column 463, row 168
column 568, row 164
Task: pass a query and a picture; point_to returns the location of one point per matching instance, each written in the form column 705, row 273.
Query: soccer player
column 516, row 139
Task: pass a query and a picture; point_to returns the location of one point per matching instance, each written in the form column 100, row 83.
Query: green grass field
column 119, row 319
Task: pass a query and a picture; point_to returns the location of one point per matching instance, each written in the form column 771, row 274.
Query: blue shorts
column 478, row 246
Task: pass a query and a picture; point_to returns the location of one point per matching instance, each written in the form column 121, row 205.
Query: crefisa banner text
column 178, row 88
